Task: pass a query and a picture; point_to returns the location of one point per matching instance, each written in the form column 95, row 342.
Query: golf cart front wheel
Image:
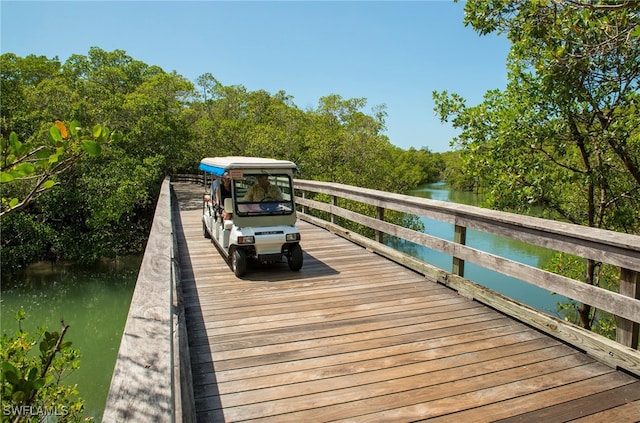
column 295, row 257
column 239, row 262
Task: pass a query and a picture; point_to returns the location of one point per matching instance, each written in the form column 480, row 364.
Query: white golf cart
column 258, row 219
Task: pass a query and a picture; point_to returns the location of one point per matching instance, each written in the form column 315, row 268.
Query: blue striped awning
column 218, row 171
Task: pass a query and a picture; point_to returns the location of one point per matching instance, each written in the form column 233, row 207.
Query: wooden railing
column 619, row 249
column 151, row 381
column 614, row 248
column 187, row 177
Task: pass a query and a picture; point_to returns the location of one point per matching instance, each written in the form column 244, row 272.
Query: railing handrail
column 602, row 245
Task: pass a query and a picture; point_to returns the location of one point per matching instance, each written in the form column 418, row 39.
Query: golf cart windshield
column 263, row 194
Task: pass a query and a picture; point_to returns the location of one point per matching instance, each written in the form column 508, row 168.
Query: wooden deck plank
column 408, row 364
column 346, row 353
column 361, row 331
column 390, row 372
column 624, row 413
column 357, row 361
column 355, row 337
column 419, row 397
column 583, row 403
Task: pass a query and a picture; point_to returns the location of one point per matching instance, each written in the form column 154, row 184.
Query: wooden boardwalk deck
column 355, row 337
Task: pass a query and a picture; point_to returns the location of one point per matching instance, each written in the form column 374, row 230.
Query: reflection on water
column 93, row 301
column 440, row 191
column 505, row 247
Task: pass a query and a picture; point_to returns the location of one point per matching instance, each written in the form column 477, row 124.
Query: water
column 94, row 302
column 534, row 256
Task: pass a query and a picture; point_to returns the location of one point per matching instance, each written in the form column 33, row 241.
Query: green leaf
column 20, row 314
column 26, row 168
column 43, row 153
column 74, row 128
column 14, row 202
column 8, row 366
column 15, row 143
column 6, row 177
column 16, row 173
column 55, row 134
column 116, row 137
column 38, row 383
column 33, row 373
column 91, row 147
column 48, row 184
column 13, row 376
column 97, row 131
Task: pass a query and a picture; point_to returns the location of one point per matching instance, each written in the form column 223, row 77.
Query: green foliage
column 568, row 117
column 606, row 276
column 78, row 219
column 31, row 377
column 31, row 168
column 337, row 141
column 564, row 137
column 102, row 205
column 127, row 188
column 25, row 239
column 455, row 174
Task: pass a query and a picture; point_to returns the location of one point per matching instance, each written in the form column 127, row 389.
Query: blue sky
column 393, row 53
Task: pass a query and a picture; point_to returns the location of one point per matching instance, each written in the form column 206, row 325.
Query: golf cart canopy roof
column 219, row 165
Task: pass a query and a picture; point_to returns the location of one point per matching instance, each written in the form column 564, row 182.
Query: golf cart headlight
column 293, row 237
column 246, row 240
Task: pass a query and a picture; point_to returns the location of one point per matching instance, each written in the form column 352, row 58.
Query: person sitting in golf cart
column 223, row 192
column 263, row 190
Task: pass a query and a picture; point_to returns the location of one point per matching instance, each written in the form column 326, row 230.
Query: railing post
column 304, row 196
column 334, row 202
column 627, row 330
column 379, row 216
column 459, row 236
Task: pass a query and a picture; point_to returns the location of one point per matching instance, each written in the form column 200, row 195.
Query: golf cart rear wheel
column 295, row 257
column 239, row 262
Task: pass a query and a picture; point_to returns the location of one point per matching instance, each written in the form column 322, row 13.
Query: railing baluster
column 459, row 236
column 334, row 202
column 379, row 216
column 304, row 208
column 627, row 330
